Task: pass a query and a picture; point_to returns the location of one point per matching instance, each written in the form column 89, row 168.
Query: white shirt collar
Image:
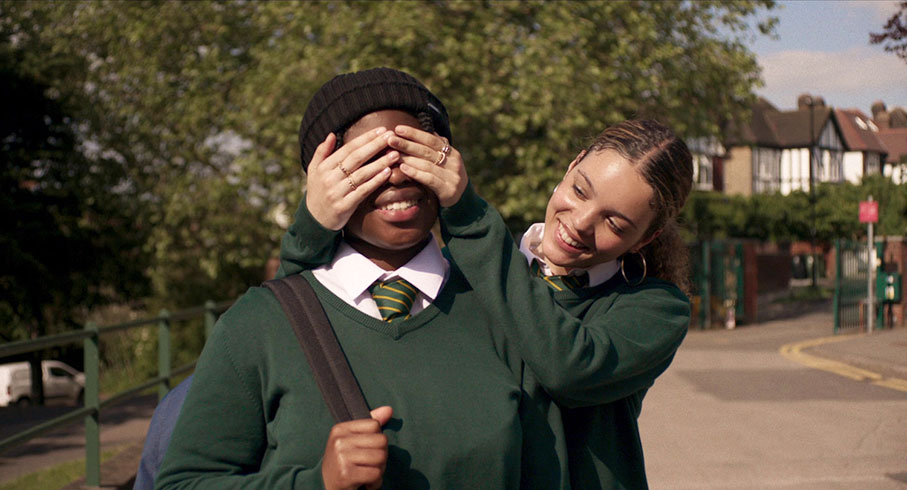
column 426, row 271
column 529, row 247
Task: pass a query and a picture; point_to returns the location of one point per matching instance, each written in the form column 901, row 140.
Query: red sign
column 869, row 212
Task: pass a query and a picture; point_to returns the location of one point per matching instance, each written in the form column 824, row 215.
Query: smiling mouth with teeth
column 398, row 206
column 567, row 239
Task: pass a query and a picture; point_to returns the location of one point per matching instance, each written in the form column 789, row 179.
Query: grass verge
column 54, row 477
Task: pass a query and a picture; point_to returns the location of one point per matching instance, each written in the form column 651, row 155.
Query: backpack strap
column 332, row 372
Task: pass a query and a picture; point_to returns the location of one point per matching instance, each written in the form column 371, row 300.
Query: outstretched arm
column 618, row 347
column 337, row 181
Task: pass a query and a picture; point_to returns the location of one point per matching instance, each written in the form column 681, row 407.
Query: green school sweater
column 595, row 350
column 254, row 417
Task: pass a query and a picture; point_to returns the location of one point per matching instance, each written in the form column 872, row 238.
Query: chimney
column 804, row 101
column 880, row 114
column 897, row 118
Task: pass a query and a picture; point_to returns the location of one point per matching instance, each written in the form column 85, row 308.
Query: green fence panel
column 210, row 318
column 851, row 282
column 705, row 289
column 91, row 411
column 92, row 400
column 163, row 354
column 740, row 286
column 717, row 277
column 880, row 322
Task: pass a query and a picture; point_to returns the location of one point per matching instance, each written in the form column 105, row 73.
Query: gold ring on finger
column 441, row 159
column 345, row 171
column 446, row 149
column 349, row 180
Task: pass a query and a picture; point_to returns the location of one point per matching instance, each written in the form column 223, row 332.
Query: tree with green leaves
column 785, row 218
column 894, row 33
column 202, row 100
column 68, row 239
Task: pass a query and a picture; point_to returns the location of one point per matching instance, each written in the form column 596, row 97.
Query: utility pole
column 871, row 254
column 811, row 102
column 869, row 214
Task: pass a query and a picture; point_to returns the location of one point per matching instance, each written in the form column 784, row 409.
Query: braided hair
column 665, row 163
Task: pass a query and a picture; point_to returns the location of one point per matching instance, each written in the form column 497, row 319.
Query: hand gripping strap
column 332, row 372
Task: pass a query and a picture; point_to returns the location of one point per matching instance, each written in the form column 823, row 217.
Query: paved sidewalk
column 882, row 351
column 733, row 412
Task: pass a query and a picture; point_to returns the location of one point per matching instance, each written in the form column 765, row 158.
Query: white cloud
column 857, row 68
column 880, row 10
column 851, row 78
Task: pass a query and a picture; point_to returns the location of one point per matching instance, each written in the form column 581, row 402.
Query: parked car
column 60, row 381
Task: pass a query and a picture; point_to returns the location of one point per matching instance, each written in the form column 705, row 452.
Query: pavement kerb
column 794, row 352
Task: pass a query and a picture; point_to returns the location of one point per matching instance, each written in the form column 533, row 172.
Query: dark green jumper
column 596, row 351
column 254, row 417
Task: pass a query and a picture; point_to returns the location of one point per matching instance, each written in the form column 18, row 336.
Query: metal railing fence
column 852, row 263
column 717, row 277
column 92, row 405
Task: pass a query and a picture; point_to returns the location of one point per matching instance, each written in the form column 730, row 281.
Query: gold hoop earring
column 644, row 269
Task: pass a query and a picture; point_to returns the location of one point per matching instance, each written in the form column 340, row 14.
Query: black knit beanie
column 346, row 98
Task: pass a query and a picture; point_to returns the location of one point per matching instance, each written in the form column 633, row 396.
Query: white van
column 60, row 381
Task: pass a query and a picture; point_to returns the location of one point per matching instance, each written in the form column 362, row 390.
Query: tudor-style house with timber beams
column 772, row 152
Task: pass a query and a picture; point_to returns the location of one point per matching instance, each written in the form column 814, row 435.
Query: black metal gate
column 717, row 283
column 851, row 281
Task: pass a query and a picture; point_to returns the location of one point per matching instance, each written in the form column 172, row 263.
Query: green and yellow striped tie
column 394, row 298
column 560, row 283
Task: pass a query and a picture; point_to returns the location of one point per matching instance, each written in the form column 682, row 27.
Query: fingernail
column 380, row 130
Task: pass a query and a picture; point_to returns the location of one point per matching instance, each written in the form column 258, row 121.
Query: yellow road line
column 893, row 383
column 795, row 353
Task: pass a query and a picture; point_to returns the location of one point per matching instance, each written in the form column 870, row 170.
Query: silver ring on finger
column 349, row 180
column 441, row 159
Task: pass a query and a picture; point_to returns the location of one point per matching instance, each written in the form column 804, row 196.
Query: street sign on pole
column 869, row 211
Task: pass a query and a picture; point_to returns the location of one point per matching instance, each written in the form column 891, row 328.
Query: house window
column 872, row 162
column 702, row 171
column 831, row 166
column 766, row 170
column 705, row 152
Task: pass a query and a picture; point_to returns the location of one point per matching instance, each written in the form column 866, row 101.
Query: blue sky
column 823, row 49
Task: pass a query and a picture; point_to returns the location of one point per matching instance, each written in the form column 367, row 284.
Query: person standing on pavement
column 451, row 410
